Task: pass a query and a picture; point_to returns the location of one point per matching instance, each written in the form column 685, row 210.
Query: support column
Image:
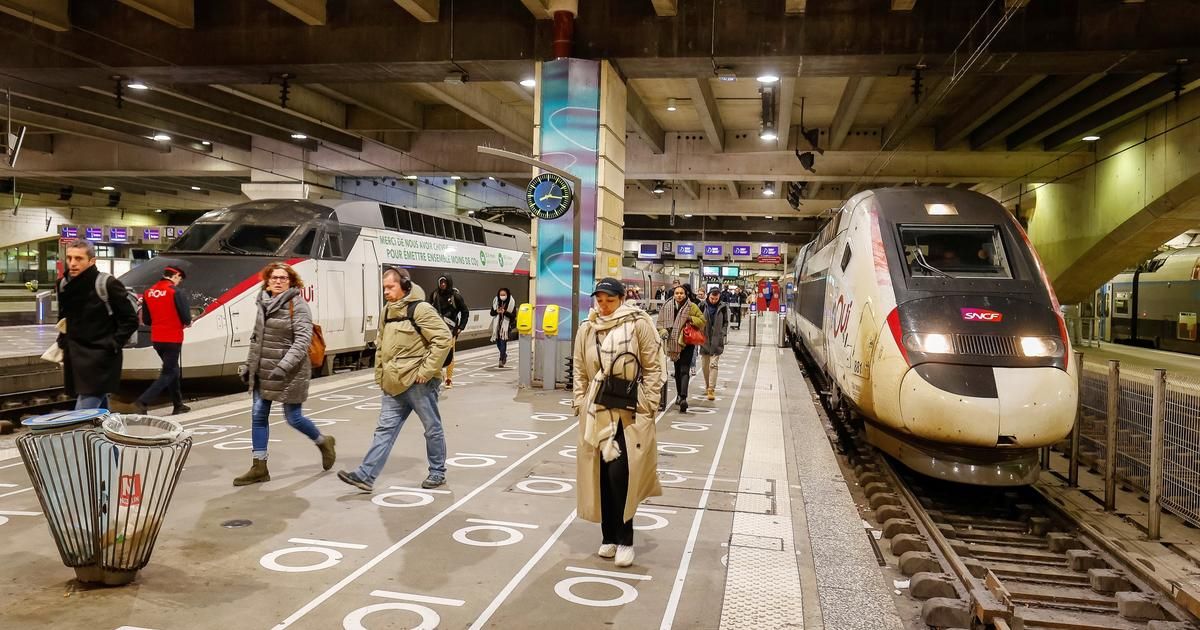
column 278, row 172
column 610, row 178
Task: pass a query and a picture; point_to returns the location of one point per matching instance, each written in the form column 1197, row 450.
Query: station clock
column 548, row 196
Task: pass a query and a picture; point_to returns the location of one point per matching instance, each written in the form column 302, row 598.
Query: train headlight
column 1041, row 347
column 929, row 343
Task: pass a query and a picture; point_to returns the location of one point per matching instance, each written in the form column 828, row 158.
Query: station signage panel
column 741, row 250
column 118, row 234
column 68, row 232
column 648, row 250
column 714, row 251
column 151, row 234
column 768, row 250
column 710, row 271
column 685, row 250
column 731, row 272
column 94, row 233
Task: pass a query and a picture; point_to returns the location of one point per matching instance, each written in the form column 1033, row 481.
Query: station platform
column 21, row 343
column 755, row 529
column 1176, row 363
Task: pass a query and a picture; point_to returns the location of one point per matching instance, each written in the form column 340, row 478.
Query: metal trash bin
column 114, row 506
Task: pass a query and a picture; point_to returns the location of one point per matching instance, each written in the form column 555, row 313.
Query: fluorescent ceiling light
column 410, row 177
column 768, row 78
column 195, row 188
column 206, row 143
column 299, row 136
column 107, row 188
column 1091, row 138
column 687, row 216
column 455, row 177
column 138, row 85
column 768, row 217
column 530, row 82
column 160, row 137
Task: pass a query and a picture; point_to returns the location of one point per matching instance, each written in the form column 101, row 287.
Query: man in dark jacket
column 96, row 329
column 166, row 311
column 453, row 309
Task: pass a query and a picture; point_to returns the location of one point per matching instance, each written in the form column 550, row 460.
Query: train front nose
column 985, row 406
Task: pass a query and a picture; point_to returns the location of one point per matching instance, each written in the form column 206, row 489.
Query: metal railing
column 1151, row 420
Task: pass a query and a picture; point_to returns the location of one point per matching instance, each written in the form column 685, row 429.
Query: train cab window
column 197, row 237
column 332, row 246
column 477, row 234
column 954, row 251
column 846, row 257
column 257, row 239
column 305, row 246
column 389, row 216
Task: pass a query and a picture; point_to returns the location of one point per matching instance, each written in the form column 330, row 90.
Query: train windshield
column 197, row 236
column 937, row 251
column 244, row 239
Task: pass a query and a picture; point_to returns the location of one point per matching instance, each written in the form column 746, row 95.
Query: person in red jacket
column 166, row 311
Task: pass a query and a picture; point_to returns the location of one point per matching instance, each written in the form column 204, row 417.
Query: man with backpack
column 100, row 317
column 453, row 310
column 167, row 312
column 412, row 347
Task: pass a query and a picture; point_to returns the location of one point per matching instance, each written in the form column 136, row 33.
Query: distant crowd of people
column 621, row 355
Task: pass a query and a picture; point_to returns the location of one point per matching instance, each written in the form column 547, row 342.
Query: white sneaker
column 624, row 556
column 607, row 550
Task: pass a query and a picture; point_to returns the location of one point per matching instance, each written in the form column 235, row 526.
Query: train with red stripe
column 926, row 313
column 339, row 249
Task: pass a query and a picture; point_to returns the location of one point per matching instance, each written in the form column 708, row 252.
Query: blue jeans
column 502, row 346
column 260, row 424
column 92, row 401
column 421, row 398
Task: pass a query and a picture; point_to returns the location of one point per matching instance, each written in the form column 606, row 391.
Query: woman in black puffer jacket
column 277, row 369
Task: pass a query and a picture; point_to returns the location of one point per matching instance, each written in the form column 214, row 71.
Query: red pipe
column 564, row 29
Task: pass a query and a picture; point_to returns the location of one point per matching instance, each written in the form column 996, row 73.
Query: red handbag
column 692, row 336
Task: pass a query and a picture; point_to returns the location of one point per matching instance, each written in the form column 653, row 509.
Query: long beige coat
column 640, row 440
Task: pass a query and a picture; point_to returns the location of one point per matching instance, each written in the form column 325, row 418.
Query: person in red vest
column 166, row 311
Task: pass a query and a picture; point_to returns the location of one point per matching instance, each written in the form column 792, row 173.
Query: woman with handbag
column 504, row 317
column 681, row 326
column 278, row 367
column 620, row 370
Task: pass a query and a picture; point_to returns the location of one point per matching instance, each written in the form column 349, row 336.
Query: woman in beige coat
column 617, row 457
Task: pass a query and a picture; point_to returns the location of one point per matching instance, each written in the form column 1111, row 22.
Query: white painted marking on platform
column 326, row 543
column 9, row 494
column 4, row 514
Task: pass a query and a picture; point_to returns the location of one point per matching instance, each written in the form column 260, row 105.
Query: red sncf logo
column 980, row 315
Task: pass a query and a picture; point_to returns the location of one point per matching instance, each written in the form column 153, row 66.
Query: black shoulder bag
column 618, row 393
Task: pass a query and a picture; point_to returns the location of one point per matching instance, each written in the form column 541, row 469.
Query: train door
column 331, row 292
column 240, row 314
column 371, row 293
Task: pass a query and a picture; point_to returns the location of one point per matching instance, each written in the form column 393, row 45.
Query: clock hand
column 549, row 196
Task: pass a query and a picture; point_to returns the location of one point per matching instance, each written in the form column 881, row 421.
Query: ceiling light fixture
column 768, row 189
column 195, row 188
column 1091, row 138
column 530, row 82
column 107, row 188
column 725, row 73
column 768, row 217
column 206, row 143
column 158, row 209
column 138, row 85
column 299, row 136
column 769, row 131
column 768, row 78
column 492, row 177
column 659, row 187
column 672, row 105
column 687, row 216
column 455, row 177
column 160, row 137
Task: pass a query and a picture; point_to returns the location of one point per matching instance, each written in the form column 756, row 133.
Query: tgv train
column 1157, row 304
column 927, row 312
column 338, row 248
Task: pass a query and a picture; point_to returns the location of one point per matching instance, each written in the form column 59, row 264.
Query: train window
column 305, row 247
column 197, row 237
column 458, row 231
column 439, row 226
column 426, row 224
column 476, row 234
column 389, row 216
column 846, row 257
column 332, row 247
column 257, row 239
column 954, row 251
column 402, row 220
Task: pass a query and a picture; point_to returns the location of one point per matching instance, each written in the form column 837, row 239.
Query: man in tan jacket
column 410, row 349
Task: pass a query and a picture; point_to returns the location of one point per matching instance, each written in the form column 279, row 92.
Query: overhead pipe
column 564, row 12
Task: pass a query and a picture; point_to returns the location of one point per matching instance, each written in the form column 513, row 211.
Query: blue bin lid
column 65, row 419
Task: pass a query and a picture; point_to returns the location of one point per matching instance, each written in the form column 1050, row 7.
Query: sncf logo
column 157, row 293
column 980, row 315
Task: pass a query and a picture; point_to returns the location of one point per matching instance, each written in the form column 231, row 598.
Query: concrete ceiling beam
column 522, row 93
column 787, row 102
column 996, row 94
column 717, row 205
column 795, row 223
column 706, row 108
column 665, row 8
column 424, row 10
column 51, row 14
column 841, row 166
column 912, row 114
column 1041, row 98
column 381, row 99
column 132, row 124
column 1088, row 100
column 732, row 187
column 1161, row 90
column 479, row 104
column 41, row 141
column 177, row 13
column 689, row 188
column 84, row 129
column 245, row 104
column 540, row 9
column 853, row 96
column 640, row 120
column 192, row 110
column 311, row 12
column 903, row 5
column 795, row 7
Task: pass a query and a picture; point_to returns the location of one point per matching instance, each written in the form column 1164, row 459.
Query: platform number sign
column 548, row 196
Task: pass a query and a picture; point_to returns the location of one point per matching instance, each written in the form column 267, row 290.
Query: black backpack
column 412, row 308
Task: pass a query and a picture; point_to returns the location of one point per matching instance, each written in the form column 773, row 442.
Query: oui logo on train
column 981, row 315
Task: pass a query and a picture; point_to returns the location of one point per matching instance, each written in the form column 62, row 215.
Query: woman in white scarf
column 504, row 314
column 616, row 459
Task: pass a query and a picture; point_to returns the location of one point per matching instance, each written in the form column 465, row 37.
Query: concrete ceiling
column 366, row 90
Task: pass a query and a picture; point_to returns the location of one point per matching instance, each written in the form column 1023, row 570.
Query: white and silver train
column 927, row 312
column 339, row 249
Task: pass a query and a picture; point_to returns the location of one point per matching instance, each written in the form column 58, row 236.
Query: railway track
column 1001, row 558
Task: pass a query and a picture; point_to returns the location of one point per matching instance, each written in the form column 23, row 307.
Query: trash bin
column 105, row 482
column 55, row 452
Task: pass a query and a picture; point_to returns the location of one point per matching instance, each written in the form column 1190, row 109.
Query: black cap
column 714, row 290
column 611, row 286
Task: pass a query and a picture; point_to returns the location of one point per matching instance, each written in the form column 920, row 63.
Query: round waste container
column 55, row 452
column 105, row 482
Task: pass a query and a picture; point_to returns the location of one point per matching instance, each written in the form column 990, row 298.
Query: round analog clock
column 548, row 196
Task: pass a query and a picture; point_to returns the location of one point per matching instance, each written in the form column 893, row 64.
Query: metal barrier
column 1151, row 421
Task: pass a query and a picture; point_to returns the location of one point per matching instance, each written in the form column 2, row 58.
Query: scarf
column 619, row 339
column 673, row 317
column 500, row 323
column 271, row 303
